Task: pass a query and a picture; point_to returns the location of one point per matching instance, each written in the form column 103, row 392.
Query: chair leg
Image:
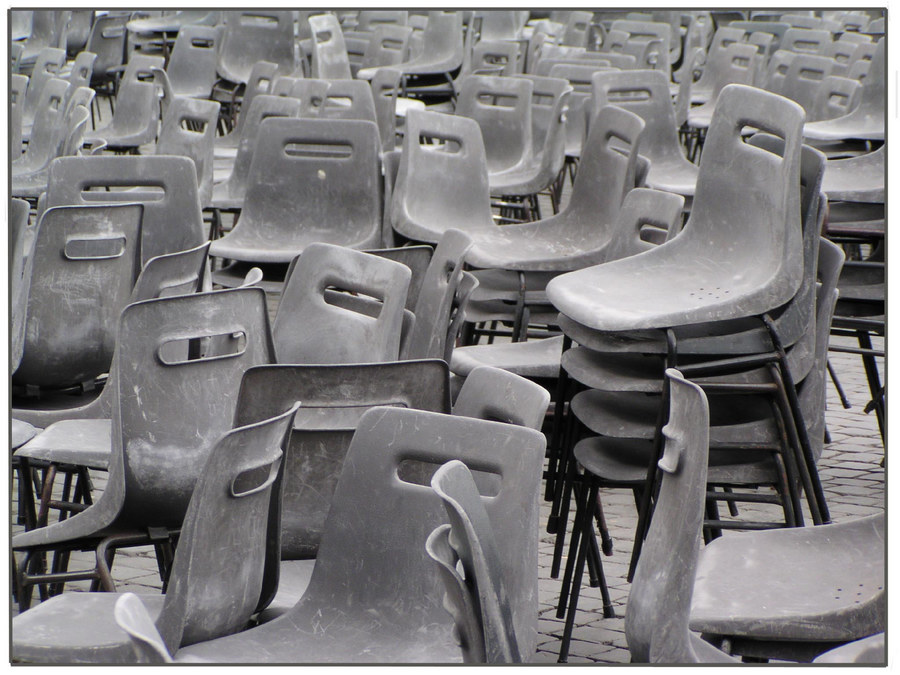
column 562, row 387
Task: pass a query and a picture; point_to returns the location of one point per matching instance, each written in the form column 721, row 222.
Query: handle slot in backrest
column 258, row 21
column 436, row 143
column 178, row 350
column 99, row 192
column 202, row 43
column 814, row 74
column 194, row 125
column 318, row 150
column 112, row 32
column 419, row 470
column 490, row 99
column 256, row 478
column 628, row 94
column 94, row 248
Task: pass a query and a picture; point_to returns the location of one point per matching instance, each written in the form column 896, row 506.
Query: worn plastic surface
column 737, row 65
column 258, row 82
column 374, row 596
column 192, row 66
column 442, row 48
column 166, row 186
column 707, row 272
column 20, row 249
column 48, row 131
column 188, row 129
column 856, row 179
column 18, row 85
column 92, row 252
column 213, row 589
column 135, row 119
column 311, row 180
column 306, row 313
column 494, row 394
column 329, row 54
column 477, row 602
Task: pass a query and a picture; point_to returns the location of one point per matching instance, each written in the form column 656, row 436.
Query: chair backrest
column 192, row 65
column 349, row 100
column 132, row 617
column 385, row 89
column 49, row 127
column 416, row 258
column 645, row 93
column 47, row 66
column 435, row 299
column 477, row 600
column 107, row 41
column 18, row 85
column 836, row 97
column 166, row 186
column 259, row 81
column 93, row 254
column 389, row 45
column 329, row 54
column 314, row 180
column 456, row 161
column 549, row 109
column 171, row 274
column 722, row 39
column 189, row 129
column 442, row 45
column 311, row 93
column 494, row 57
column 805, row 40
column 370, row 20
column 647, row 219
column 306, row 310
column 255, row 35
column 262, row 107
column 82, row 70
column 333, row 397
column 502, row 108
column 804, row 77
column 213, row 591
column 578, row 29
column 494, row 394
column 659, row 604
column 171, row 408
column 140, row 68
column 135, row 121
column 366, row 562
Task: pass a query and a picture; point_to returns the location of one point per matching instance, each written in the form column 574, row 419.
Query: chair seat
column 244, row 243
column 495, row 284
column 814, row 583
column 534, row 358
column 82, row 442
column 503, row 310
column 856, row 179
column 673, row 174
column 75, row 628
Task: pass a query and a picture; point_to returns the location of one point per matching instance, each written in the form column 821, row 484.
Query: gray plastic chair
column 836, row 97
column 49, row 130
column 135, row 121
column 737, row 65
column 19, row 251
column 230, row 192
column 188, row 129
column 49, row 64
column 306, row 309
column 155, row 383
column 478, row 600
column 349, row 100
column 165, row 185
column 659, row 604
column 493, row 394
column 399, row 618
column 701, row 90
column 311, row 180
column 93, row 252
column 856, row 179
column 47, row 30
column 771, row 203
column 107, row 41
column 335, row 397
column 192, row 66
column 329, row 54
column 211, row 592
column 388, row 46
column 255, row 35
column 258, row 82
column 385, row 90
column 646, row 93
column 866, row 121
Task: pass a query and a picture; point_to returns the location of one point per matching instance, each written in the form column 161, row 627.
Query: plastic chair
column 502, row 108
column 49, row 130
column 255, row 35
column 156, row 381
column 329, row 54
column 135, row 120
column 47, row 30
column 165, row 185
column 230, row 192
column 211, row 592
column 370, row 20
column 871, row 649
column 656, row 620
column 737, row 65
column 349, row 100
column 646, row 94
column 866, row 121
column 493, row 394
column 836, row 97
column 385, row 90
column 306, row 307
column 188, row 129
column 388, row 46
column 357, row 617
column 477, row 601
column 18, row 282
column 725, row 36
column 107, row 41
column 259, row 81
column 93, row 251
column 335, row 397
column 805, row 40
column 771, row 203
column 192, row 66
column 20, row 22
column 334, row 165
column 48, row 66
column 856, row 179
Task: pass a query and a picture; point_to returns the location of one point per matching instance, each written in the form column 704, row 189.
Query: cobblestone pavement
column 851, row 473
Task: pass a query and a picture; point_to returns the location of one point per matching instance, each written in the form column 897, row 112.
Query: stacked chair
column 297, row 288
